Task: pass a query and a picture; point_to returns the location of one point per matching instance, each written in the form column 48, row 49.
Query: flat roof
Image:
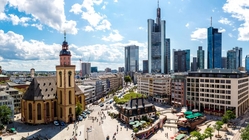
column 225, row 71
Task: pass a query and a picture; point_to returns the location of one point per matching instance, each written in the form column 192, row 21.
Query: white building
column 216, row 90
column 89, row 92
column 6, row 99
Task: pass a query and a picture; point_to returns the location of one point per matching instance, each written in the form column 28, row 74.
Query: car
column 12, row 130
column 56, row 123
column 62, row 123
column 101, row 104
column 87, row 112
column 83, row 115
column 80, row 118
column 110, row 101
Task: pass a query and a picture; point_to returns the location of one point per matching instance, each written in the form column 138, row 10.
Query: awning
column 188, row 113
column 179, row 137
column 176, row 102
column 190, row 117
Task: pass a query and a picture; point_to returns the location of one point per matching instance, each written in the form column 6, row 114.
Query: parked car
column 101, row 104
column 87, row 112
column 111, row 101
column 83, row 115
column 12, row 130
column 56, row 123
column 62, row 123
column 80, row 118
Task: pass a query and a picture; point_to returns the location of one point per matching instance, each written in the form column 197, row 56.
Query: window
column 60, row 97
column 47, row 109
column 69, row 78
column 61, row 112
column 69, row 97
column 38, row 111
column 30, row 111
column 70, row 110
column 60, row 73
column 55, row 109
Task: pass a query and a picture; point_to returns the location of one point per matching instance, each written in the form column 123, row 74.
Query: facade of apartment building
column 89, row 93
column 156, row 86
column 17, row 98
column 214, row 91
column 178, row 94
column 6, row 99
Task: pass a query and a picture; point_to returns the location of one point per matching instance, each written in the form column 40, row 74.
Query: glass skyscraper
column 247, row 63
column 180, row 60
column 234, row 58
column 158, row 46
column 187, row 59
column 200, row 58
column 214, row 48
column 131, row 58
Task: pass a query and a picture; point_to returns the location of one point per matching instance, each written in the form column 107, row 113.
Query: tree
column 209, row 132
column 5, row 113
column 198, row 135
column 127, row 79
column 218, row 126
column 78, row 109
column 230, row 115
column 245, row 133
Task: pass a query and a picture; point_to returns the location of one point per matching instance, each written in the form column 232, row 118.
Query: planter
column 218, row 136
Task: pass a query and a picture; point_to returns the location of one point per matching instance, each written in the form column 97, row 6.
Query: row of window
column 216, row 101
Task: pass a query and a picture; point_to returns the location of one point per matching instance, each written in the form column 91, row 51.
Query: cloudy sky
column 31, row 31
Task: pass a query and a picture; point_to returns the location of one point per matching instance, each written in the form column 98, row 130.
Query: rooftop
column 225, row 71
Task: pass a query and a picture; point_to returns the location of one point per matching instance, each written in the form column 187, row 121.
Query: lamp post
column 87, row 131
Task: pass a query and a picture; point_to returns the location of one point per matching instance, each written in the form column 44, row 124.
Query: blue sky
column 31, row 32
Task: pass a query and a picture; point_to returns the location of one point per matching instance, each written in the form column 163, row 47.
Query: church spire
column 65, row 35
column 157, row 3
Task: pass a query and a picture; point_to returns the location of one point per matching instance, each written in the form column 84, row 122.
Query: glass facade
column 234, row 58
column 187, row 59
column 94, row 69
column 247, row 63
column 180, row 60
column 214, row 48
column 145, row 66
column 200, row 58
column 131, row 58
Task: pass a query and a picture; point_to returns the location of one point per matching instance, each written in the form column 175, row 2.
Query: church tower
column 65, row 73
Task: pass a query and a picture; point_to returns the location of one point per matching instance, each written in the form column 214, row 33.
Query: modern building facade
column 194, row 64
column 234, row 58
column 157, row 45
column 94, row 69
column 180, row 60
column 120, row 69
column 108, row 70
column 178, row 89
column 17, row 96
column 85, row 69
column 145, row 66
column 224, row 62
column 131, row 58
column 214, row 38
column 200, row 58
column 155, row 86
column 53, row 98
column 247, row 63
column 6, row 99
column 216, row 90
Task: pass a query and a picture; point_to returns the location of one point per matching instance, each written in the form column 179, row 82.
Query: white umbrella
column 183, row 119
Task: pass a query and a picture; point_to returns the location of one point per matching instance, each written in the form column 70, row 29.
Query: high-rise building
column 214, row 48
column 108, row 70
column 187, row 59
column 224, row 62
column 145, row 66
column 131, row 58
column 200, row 58
column 247, row 63
column 194, row 64
column 94, row 69
column 180, row 60
column 120, row 69
column 234, row 58
column 85, row 69
column 158, row 53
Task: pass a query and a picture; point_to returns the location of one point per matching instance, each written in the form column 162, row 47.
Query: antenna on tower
column 65, row 35
column 157, row 3
column 211, row 21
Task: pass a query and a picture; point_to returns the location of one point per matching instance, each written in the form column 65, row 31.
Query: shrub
column 135, row 130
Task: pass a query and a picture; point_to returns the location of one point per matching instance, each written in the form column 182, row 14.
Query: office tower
column 94, row 69
column 224, row 62
column 131, row 58
column 214, row 48
column 234, row 58
column 187, row 59
column 158, row 53
column 194, row 64
column 120, row 69
column 85, row 69
column 108, row 70
column 145, row 66
column 179, row 60
column 200, row 58
column 247, row 63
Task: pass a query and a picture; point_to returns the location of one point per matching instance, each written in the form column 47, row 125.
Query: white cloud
column 230, row 35
column 222, row 30
column 88, row 29
column 16, row 20
column 50, row 13
column 199, row 33
column 224, row 21
column 140, row 28
column 115, row 0
column 3, row 16
column 187, row 25
column 239, row 10
column 38, row 26
column 103, row 7
column 114, row 36
column 95, row 19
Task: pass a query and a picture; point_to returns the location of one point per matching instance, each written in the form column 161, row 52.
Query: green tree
column 218, row 126
column 245, row 133
column 5, row 114
column 198, row 135
column 127, row 79
column 230, row 115
column 209, row 132
column 78, row 109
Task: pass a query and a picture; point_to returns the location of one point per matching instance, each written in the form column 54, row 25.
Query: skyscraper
column 158, row 46
column 145, row 66
column 187, row 59
column 224, row 62
column 214, row 48
column 194, row 64
column 179, row 60
column 200, row 58
column 131, row 58
column 247, row 63
column 94, row 69
column 85, row 69
column 234, row 58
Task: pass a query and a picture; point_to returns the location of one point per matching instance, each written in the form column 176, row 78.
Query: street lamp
column 87, row 131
